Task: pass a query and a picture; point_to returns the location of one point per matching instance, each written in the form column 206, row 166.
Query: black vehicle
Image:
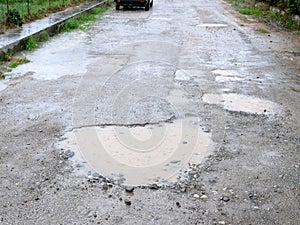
column 130, row 3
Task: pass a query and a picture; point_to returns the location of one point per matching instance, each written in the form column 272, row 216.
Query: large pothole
column 140, row 155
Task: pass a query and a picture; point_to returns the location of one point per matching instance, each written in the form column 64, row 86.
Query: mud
column 152, row 100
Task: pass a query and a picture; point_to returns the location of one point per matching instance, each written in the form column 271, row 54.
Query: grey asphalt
column 12, row 39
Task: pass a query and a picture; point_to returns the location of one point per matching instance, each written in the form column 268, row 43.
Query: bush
column 293, row 6
column 13, row 17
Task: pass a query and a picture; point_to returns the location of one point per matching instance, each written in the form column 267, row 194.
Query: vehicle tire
column 147, row 6
column 117, row 7
column 151, row 3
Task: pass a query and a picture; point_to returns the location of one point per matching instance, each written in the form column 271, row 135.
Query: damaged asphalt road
column 180, row 115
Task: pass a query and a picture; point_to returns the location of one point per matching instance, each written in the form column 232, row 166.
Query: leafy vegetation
column 18, row 61
column 14, row 12
column 8, row 62
column 281, row 12
column 83, row 21
column 13, row 17
column 32, row 43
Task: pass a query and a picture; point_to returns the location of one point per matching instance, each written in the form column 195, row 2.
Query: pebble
column 154, row 186
column 225, row 198
column 196, row 196
column 204, row 197
column 104, row 186
column 67, row 154
column 127, row 202
column 183, row 190
column 96, row 176
column 206, row 130
column 129, row 189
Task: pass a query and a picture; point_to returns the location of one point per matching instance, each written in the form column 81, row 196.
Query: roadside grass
column 281, row 19
column 18, row 61
column 262, row 31
column 85, row 20
column 8, row 62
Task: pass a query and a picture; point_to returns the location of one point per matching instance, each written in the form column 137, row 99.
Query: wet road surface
column 187, row 104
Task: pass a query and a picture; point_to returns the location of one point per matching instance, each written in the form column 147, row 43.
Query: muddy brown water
column 237, row 102
column 143, row 154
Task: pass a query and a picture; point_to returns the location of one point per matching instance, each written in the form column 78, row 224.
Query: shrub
column 13, row 17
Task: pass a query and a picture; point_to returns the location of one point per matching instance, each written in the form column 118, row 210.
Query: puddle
column 226, row 90
column 226, row 75
column 50, row 63
column 3, row 86
column 212, row 25
column 140, row 155
column 180, row 75
column 236, row 102
column 222, row 79
column 226, row 72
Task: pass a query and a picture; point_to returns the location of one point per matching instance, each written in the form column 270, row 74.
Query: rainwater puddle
column 180, row 75
column 2, row 86
column 212, row 25
column 50, row 62
column 226, row 75
column 226, row 72
column 236, row 102
column 140, row 155
column 222, row 79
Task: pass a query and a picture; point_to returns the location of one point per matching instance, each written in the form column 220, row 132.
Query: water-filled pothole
column 227, row 75
column 141, row 155
column 236, row 102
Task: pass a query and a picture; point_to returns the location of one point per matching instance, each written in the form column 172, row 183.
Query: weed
column 6, row 57
column 71, row 24
column 44, row 37
column 263, row 31
column 32, row 43
column 255, row 12
column 83, row 20
column 16, row 62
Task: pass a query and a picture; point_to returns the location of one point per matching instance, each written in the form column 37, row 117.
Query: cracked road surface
column 185, row 114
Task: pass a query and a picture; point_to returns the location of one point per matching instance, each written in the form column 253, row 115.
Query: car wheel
column 151, row 4
column 147, row 7
column 117, row 7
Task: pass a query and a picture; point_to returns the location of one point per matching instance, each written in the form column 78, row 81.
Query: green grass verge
column 84, row 20
column 284, row 20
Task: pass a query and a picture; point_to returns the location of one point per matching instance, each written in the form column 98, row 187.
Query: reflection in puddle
column 222, row 79
column 226, row 75
column 226, row 72
column 212, row 25
column 236, row 102
column 142, row 155
column 180, row 75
